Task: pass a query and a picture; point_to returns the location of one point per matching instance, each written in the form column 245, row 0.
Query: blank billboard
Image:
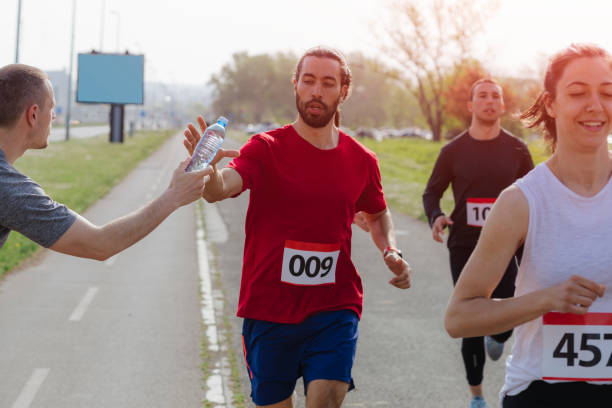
column 110, row 78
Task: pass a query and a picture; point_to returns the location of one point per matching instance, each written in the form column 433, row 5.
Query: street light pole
column 102, row 14
column 68, row 110
column 118, row 28
column 18, row 31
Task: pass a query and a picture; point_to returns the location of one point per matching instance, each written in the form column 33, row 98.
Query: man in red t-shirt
column 300, row 295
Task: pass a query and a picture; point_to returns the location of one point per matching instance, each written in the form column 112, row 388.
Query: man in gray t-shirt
column 27, row 209
column 26, row 112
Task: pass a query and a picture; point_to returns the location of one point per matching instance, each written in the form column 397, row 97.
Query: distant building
column 81, row 112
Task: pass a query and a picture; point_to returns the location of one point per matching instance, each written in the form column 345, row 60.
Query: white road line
column 208, row 310
column 218, row 391
column 215, row 388
column 31, row 388
column 82, row 307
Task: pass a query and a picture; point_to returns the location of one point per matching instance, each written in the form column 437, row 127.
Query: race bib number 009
column 577, row 347
column 306, row 263
column 477, row 210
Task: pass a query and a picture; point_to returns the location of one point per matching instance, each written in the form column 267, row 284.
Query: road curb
column 218, row 392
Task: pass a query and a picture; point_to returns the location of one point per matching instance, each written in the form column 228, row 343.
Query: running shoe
column 478, row 402
column 494, row 348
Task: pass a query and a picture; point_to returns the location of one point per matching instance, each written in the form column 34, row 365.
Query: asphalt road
column 128, row 332
column 77, row 132
column 77, row 333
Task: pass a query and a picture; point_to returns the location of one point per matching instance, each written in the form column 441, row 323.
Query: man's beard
column 322, row 119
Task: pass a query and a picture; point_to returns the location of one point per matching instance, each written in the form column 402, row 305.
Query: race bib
column 477, row 210
column 577, row 347
column 306, row 263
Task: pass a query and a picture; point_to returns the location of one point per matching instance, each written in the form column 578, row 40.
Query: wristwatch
column 391, row 249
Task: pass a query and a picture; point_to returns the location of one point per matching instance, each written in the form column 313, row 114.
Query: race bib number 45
column 577, row 347
column 477, row 210
column 306, row 263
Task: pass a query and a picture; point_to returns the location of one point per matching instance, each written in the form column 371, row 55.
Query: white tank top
column 568, row 234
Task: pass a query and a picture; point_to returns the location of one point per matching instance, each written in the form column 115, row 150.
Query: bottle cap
column 222, row 121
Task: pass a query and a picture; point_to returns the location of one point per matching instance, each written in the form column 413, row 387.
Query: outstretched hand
column 186, row 187
column 192, row 137
column 400, row 268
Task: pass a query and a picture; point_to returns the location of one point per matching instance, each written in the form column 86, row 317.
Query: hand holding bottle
column 193, row 139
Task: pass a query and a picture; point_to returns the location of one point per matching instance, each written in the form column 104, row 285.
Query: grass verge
column 239, row 399
column 77, row 173
column 205, row 359
column 406, row 164
column 238, row 135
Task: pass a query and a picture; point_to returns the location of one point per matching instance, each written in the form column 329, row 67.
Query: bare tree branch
column 428, row 42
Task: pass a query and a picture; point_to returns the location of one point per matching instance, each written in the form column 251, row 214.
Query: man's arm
column 436, row 185
column 87, row 240
column 223, row 183
column 383, row 235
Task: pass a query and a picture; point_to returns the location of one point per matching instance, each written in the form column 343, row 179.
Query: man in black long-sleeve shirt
column 479, row 164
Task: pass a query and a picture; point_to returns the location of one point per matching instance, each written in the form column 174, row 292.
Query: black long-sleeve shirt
column 478, row 171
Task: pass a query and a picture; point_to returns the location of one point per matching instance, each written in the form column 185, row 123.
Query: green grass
column 77, row 173
column 238, row 135
column 238, row 396
column 406, row 165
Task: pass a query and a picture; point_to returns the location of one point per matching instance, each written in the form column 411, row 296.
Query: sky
column 186, row 41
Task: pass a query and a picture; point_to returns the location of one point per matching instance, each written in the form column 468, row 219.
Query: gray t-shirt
column 24, row 207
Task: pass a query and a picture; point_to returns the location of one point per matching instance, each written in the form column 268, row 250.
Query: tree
column 518, row 94
column 370, row 88
column 457, row 95
column 378, row 98
column 256, row 88
column 428, row 41
column 522, row 92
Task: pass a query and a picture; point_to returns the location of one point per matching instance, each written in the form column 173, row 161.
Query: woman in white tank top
column 562, row 213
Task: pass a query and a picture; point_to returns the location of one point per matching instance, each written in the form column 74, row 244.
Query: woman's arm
column 471, row 312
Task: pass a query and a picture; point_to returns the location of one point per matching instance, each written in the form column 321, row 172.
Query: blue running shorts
column 322, row 347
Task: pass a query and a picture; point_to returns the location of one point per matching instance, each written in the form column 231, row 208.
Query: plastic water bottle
column 207, row 147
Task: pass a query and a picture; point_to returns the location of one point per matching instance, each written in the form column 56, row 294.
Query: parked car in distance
column 391, row 133
column 253, row 128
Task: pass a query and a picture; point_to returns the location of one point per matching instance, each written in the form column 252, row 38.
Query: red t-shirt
column 298, row 224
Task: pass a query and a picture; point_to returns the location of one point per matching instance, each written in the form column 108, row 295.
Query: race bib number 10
column 577, row 347
column 306, row 263
column 477, row 210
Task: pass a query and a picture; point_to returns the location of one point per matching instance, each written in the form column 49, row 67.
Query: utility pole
column 103, row 15
column 18, row 31
column 116, row 13
column 68, row 110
